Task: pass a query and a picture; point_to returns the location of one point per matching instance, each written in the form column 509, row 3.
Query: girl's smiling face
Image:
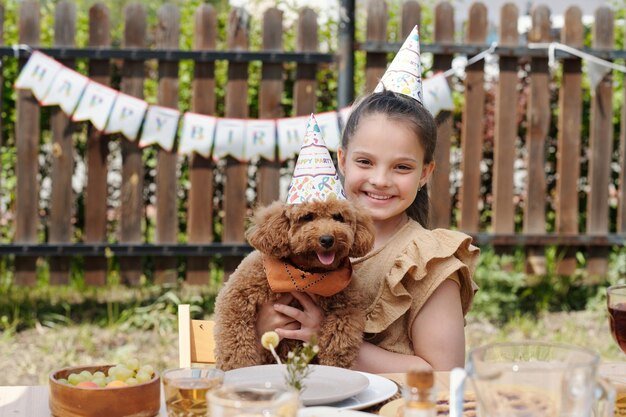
column 383, row 166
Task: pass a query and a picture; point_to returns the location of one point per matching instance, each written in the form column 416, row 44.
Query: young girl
column 417, row 282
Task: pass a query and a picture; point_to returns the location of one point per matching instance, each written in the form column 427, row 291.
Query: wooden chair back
column 196, row 343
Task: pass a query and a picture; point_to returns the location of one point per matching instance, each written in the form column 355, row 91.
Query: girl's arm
column 438, row 337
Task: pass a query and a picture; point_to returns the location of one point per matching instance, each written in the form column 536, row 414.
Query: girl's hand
column 310, row 317
column 269, row 319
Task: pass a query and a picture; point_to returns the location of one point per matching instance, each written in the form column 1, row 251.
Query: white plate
column 379, row 390
column 330, row 412
column 324, row 385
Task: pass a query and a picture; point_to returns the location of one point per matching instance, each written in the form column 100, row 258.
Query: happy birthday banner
column 111, row 111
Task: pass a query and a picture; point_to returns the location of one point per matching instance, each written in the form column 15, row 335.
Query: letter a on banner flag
column 229, row 139
column 290, row 134
column 160, row 127
column 260, row 139
column 126, row 116
column 197, row 135
column 38, row 74
column 95, row 105
column 66, row 90
column 329, row 126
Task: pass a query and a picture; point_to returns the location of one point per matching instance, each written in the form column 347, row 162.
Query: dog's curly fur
column 293, row 233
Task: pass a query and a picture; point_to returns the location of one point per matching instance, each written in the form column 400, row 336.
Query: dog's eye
column 307, row 217
column 338, row 217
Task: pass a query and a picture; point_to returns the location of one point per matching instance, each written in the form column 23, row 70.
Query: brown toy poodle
column 317, row 237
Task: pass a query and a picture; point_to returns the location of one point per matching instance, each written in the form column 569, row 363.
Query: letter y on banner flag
column 66, row 89
column 95, row 105
column 160, row 127
column 126, row 116
column 38, row 74
column 197, row 135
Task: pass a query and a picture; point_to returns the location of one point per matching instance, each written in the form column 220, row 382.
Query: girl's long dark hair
column 407, row 110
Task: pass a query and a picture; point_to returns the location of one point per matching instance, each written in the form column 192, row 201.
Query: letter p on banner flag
column 126, row 116
column 95, row 105
column 160, row 127
column 38, row 74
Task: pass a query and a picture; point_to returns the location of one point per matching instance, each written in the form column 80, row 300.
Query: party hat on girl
column 315, row 177
column 404, row 75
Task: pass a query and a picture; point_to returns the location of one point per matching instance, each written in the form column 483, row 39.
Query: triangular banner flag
column 95, row 105
column 314, row 177
column 437, row 94
column 229, row 139
column 290, row 134
column 344, row 115
column 260, row 139
column 329, row 126
column 126, row 116
column 197, row 134
column 38, row 74
column 160, row 127
column 66, row 90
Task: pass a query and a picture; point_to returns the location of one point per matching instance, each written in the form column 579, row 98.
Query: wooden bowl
column 141, row 400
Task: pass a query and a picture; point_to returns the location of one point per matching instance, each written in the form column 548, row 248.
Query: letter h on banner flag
column 38, row 74
column 290, row 134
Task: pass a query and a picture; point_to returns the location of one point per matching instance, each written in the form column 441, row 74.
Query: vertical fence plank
column 304, row 95
column 168, row 33
column 376, row 62
column 621, row 208
column 568, row 151
column 61, row 198
column 133, row 74
column 236, row 174
column 440, row 203
column 27, row 130
column 503, row 220
column 601, row 147
column 472, row 125
column 538, row 125
column 411, row 16
column 271, row 91
column 200, row 209
column 1, row 83
column 97, row 153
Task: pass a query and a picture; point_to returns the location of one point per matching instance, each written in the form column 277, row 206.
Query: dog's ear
column 364, row 236
column 270, row 230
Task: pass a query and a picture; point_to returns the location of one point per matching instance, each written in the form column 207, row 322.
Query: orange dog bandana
column 284, row 277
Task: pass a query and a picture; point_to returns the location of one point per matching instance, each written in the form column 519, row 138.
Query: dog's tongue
column 326, row 258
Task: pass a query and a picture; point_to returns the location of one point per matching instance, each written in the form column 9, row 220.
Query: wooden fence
column 464, row 209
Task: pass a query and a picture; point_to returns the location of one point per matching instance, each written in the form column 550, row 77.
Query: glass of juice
column 254, row 400
column 186, row 390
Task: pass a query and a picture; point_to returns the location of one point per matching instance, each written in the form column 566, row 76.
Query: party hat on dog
column 315, row 177
column 404, row 75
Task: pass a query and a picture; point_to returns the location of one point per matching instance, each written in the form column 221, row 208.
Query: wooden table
column 32, row 401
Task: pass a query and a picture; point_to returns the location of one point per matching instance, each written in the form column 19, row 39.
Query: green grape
column 131, row 381
column 113, row 370
column 74, row 379
column 110, row 378
column 143, row 377
column 98, row 374
column 147, row 369
column 86, row 375
column 100, row 381
column 123, row 373
column 63, row 381
column 131, row 363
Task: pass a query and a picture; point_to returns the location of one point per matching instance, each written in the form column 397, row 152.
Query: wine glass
column 616, row 304
column 615, row 373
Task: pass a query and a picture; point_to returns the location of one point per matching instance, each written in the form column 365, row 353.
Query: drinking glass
column 616, row 304
column 535, row 379
column 257, row 400
column 186, row 390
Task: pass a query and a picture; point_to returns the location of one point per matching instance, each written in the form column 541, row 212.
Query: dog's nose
column 327, row 241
